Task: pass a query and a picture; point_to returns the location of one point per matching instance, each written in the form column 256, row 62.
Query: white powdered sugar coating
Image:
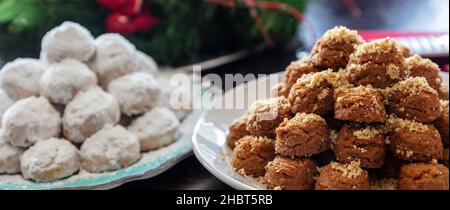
column 146, row 64
column 88, row 112
column 30, row 120
column 9, row 157
column 110, row 149
column 136, row 93
column 156, row 128
column 152, row 157
column 115, row 57
column 21, row 77
column 177, row 99
column 62, row 81
column 50, row 160
column 5, row 103
column 69, row 40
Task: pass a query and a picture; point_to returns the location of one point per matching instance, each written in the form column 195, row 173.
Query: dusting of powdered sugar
column 150, row 164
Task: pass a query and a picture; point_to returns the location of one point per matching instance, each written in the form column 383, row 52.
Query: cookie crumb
column 393, row 71
column 395, row 123
column 367, row 133
column 411, row 86
column 304, row 118
column 380, row 46
column 351, row 170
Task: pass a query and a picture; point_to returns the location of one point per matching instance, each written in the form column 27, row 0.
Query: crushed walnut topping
column 417, row 60
column 312, row 80
column 351, row 170
column 303, row 118
column 379, row 46
column 411, row 87
column 393, row 71
column 444, row 104
column 395, row 123
column 367, row 133
column 343, row 34
column 268, row 109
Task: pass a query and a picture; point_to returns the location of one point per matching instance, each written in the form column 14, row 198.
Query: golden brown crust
column 265, row 116
column 443, row 93
column 414, row 99
column 366, row 144
column 302, row 136
column 423, row 176
column 314, row 93
column 297, row 69
column 442, row 123
column 404, row 50
column 238, row 129
column 251, row 155
column 360, row 104
column 334, row 48
column 413, row 141
column 280, row 89
column 378, row 63
column 339, row 176
column 290, row 174
column 422, row 67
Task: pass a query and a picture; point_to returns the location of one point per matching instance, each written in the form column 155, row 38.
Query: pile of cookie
column 355, row 115
column 92, row 104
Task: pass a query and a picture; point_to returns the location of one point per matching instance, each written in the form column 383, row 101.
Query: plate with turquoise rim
column 151, row 164
column 209, row 139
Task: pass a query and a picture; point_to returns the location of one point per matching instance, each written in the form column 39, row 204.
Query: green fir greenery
column 190, row 30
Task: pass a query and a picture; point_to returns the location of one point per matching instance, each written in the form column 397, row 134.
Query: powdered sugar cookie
column 146, row 63
column 136, row 93
column 88, row 112
column 20, row 78
column 5, row 103
column 155, row 129
column 69, row 40
column 177, row 99
column 62, row 81
column 9, row 157
column 50, row 160
column 110, row 149
column 30, row 120
column 115, row 57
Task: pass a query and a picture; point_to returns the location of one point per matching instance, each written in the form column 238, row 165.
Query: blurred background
column 182, row 32
column 174, row 32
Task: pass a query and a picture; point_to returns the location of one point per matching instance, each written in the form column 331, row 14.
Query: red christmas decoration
column 127, row 16
column 131, row 7
column 112, row 4
column 127, row 7
column 119, row 23
column 145, row 21
column 123, row 24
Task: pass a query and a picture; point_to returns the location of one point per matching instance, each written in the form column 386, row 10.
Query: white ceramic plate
column 209, row 137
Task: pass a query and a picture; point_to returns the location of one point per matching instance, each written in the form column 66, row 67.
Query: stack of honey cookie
column 355, row 115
